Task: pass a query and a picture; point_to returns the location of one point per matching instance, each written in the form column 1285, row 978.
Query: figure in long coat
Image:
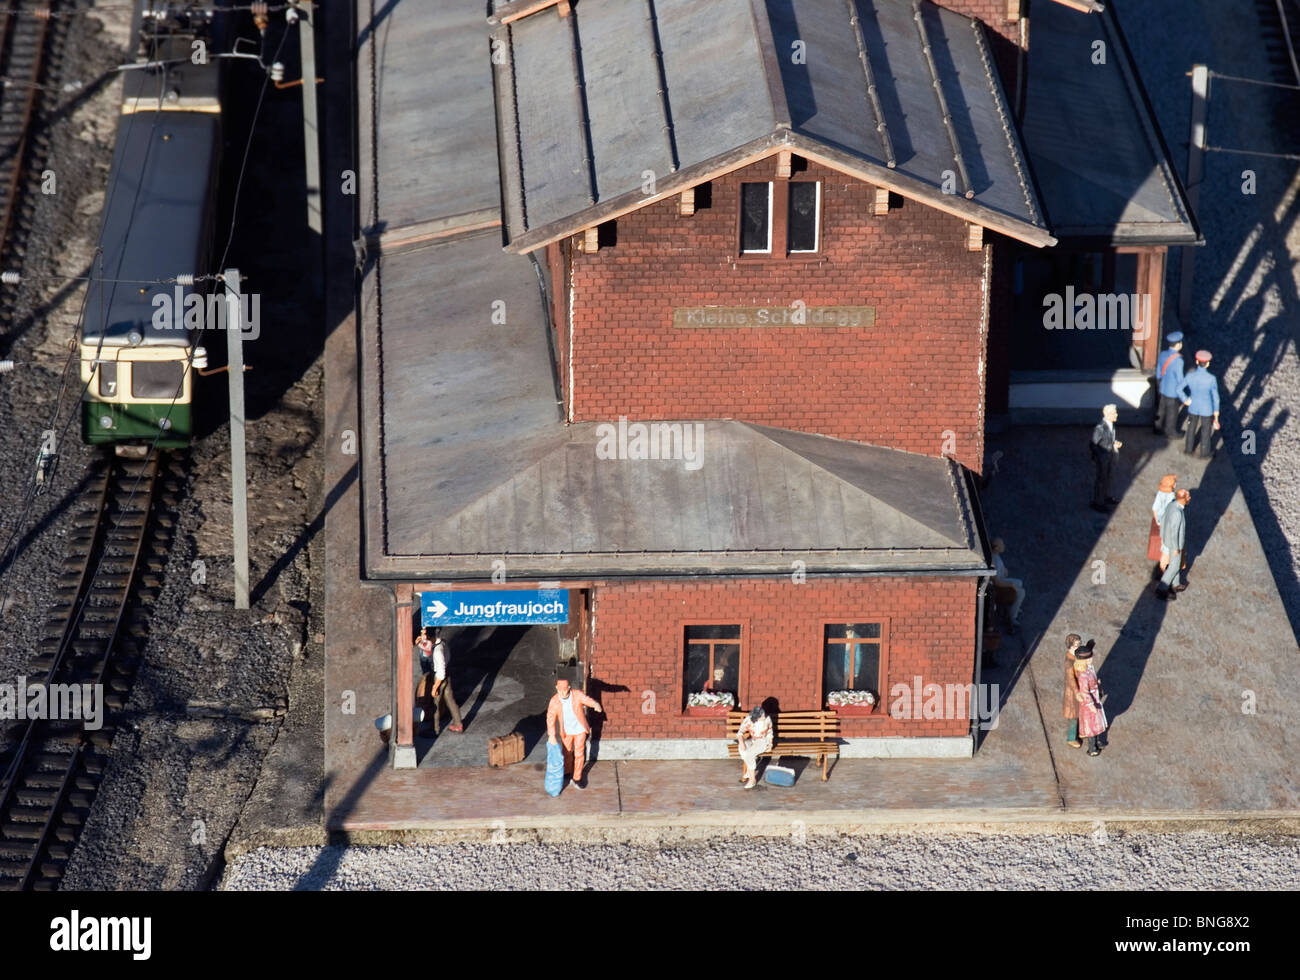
column 1070, row 707
column 1173, row 542
column 1164, row 497
column 1092, row 716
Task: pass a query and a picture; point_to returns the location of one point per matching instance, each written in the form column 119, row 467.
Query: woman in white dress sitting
column 754, row 737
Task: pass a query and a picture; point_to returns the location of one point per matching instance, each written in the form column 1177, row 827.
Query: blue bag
column 554, row 768
column 778, row 776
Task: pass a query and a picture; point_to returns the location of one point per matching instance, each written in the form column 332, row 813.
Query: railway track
column 51, row 769
column 22, row 59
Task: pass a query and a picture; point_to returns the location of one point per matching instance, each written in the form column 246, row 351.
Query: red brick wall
column 899, row 383
column 638, row 645
column 992, row 12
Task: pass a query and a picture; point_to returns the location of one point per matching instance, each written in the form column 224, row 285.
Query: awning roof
column 1097, row 156
column 752, row 499
column 894, row 92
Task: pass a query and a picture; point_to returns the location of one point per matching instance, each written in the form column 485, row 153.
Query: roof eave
column 769, row 145
column 925, row 562
column 1108, row 237
column 616, row 207
column 960, row 207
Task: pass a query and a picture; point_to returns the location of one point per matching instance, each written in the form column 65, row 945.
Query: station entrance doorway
column 501, row 676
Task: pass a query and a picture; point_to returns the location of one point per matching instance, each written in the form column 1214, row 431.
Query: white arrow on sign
column 438, row 609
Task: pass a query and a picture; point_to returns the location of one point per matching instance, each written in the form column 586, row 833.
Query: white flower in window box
column 852, row 702
column 710, row 703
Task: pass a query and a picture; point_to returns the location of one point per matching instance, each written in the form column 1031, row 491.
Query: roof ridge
column 1000, row 101
column 771, row 64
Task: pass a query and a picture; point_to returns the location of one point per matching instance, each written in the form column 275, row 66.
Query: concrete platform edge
column 635, row 828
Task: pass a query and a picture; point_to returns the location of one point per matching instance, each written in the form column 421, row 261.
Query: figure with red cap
column 1200, row 393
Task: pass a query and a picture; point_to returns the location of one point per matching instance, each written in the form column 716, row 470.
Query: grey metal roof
column 756, row 489
column 1100, row 164
column 895, row 92
column 430, row 130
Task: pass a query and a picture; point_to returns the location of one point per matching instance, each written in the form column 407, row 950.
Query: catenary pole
column 310, row 131
column 1195, row 170
column 238, row 464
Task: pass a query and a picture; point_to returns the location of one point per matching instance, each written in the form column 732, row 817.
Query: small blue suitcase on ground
column 778, row 776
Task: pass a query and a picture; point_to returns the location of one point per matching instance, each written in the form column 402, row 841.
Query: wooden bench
column 813, row 734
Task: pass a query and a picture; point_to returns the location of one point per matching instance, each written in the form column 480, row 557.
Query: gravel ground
column 1046, row 862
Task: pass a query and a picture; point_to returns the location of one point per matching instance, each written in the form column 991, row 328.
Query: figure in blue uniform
column 1200, row 393
column 1169, row 385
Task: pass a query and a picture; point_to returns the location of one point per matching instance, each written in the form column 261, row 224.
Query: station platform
column 1178, row 676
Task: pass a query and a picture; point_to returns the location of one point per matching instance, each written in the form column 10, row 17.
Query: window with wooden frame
column 711, row 659
column 851, row 657
column 781, row 217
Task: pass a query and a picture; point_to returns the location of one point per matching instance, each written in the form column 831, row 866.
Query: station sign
column 504, row 607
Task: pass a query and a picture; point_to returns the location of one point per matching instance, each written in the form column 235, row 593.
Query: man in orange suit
column 567, row 712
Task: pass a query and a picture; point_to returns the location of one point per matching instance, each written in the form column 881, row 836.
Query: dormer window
column 780, row 217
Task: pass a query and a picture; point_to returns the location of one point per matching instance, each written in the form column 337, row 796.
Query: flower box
column 853, row 710
column 852, row 704
column 707, row 710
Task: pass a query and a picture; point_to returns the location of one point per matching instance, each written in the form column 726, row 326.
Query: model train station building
column 767, row 268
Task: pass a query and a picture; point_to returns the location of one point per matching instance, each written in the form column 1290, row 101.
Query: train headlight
column 106, row 421
column 164, row 424
column 135, row 338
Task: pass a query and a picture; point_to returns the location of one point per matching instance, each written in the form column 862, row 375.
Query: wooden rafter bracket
column 974, row 237
column 881, row 204
column 589, row 240
column 686, row 205
column 505, row 13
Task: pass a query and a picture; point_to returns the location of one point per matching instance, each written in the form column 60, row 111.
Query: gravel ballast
column 1093, row 860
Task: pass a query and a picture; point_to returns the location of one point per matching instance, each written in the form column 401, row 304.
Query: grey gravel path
column 1096, row 860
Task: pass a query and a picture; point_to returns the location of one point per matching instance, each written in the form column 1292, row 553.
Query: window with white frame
column 756, row 217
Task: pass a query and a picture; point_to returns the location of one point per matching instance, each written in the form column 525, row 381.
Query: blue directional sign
column 508, row 607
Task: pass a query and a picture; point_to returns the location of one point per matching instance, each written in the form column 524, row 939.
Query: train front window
column 107, row 371
column 156, row 379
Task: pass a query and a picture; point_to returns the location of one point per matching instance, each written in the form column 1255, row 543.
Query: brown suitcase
column 505, row 750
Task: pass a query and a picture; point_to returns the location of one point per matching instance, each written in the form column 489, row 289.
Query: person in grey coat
column 1173, row 539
